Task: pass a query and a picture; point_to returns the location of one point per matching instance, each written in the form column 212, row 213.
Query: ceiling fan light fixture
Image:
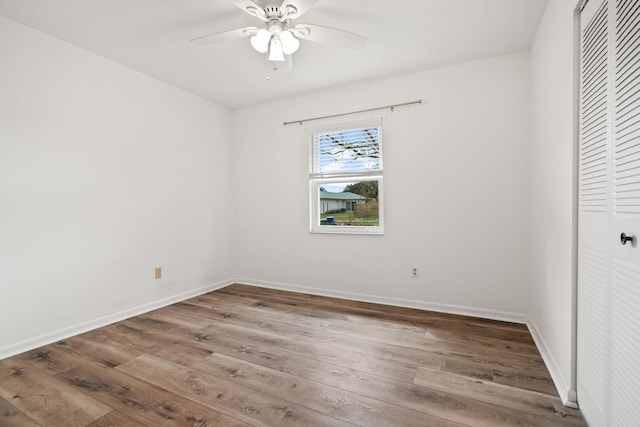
column 289, row 43
column 275, row 49
column 278, row 36
column 260, row 41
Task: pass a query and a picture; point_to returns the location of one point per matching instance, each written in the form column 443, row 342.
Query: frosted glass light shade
column 289, row 43
column 275, row 49
column 260, row 41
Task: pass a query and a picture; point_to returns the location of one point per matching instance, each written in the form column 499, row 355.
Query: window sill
column 336, row 229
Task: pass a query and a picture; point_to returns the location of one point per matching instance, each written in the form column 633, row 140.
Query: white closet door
column 609, row 196
column 625, row 309
column 594, row 219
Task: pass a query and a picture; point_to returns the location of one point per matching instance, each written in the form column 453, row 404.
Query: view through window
column 345, row 178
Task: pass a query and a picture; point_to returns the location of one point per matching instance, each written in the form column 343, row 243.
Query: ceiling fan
column 278, row 34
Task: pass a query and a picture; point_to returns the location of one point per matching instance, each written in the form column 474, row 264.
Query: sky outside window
column 350, row 151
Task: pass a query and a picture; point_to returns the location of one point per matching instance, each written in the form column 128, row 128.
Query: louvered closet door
column 594, row 212
column 625, row 309
column 609, row 186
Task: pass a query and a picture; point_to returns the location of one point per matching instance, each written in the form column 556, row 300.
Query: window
column 345, row 179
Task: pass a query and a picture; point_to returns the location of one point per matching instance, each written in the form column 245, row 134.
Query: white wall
column 457, row 202
column 552, row 155
column 104, row 175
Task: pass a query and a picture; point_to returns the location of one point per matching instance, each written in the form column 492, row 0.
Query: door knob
column 624, row 239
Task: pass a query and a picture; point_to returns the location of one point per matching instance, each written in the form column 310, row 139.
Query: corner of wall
column 553, row 240
column 565, row 391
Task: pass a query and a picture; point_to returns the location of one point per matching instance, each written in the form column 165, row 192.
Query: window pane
column 345, row 179
column 355, row 150
column 349, row 204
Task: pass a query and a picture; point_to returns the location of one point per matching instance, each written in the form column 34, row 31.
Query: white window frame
column 316, row 180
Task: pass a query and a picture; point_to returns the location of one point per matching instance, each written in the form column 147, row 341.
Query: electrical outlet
column 415, row 273
column 158, row 272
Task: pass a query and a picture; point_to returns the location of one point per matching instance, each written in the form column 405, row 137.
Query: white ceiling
column 152, row 36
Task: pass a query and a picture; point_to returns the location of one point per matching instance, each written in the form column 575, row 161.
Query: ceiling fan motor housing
column 276, row 12
column 272, row 11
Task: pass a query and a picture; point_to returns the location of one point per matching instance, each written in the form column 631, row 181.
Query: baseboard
column 70, row 331
column 398, row 302
column 567, row 395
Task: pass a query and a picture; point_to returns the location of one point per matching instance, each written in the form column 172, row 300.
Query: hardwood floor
column 247, row 356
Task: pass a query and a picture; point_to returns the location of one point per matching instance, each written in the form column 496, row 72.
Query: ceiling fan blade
column 300, row 5
column 251, row 8
column 224, row 36
column 328, row 35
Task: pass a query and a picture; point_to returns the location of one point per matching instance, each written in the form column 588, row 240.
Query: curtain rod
column 390, row 107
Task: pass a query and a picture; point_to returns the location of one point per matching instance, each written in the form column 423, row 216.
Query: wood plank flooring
column 247, row 356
